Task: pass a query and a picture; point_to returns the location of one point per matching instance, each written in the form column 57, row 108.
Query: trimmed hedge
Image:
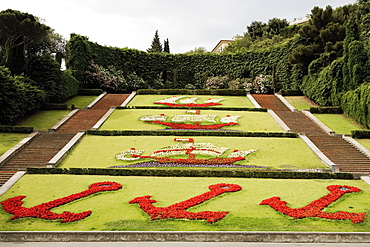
column 361, row 134
column 290, row 92
column 90, row 91
column 187, row 133
column 54, row 106
column 202, row 108
column 15, row 129
column 235, row 173
column 326, row 110
column 223, row 92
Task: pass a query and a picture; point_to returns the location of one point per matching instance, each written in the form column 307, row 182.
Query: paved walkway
column 45, row 146
column 338, row 150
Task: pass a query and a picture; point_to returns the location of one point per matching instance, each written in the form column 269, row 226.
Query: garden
column 63, row 202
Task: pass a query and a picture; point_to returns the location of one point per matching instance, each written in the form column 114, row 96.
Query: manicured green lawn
column 111, row 210
column 300, row 102
column 339, row 123
column 100, row 151
column 81, row 101
column 8, row 140
column 129, row 119
column 44, row 120
column 364, row 142
column 229, row 101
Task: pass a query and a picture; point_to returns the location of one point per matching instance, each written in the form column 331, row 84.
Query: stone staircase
column 42, row 148
column 342, row 153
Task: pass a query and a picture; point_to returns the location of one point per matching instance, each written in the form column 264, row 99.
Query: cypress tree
column 166, row 46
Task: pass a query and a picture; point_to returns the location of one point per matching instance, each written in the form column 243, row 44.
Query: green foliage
column 356, row 104
column 193, row 133
column 15, row 129
column 17, row 97
column 21, row 37
column 192, row 173
column 90, row 91
column 156, row 44
column 326, row 110
column 361, row 134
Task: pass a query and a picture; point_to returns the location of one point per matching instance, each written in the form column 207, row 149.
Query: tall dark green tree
column 156, row 44
column 166, row 47
column 21, row 35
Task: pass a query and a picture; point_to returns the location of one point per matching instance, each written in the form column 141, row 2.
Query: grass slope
column 339, row 123
column 100, row 151
column 81, row 101
column 8, row 140
column 44, row 120
column 129, row 119
column 111, row 210
column 229, row 101
column 300, row 102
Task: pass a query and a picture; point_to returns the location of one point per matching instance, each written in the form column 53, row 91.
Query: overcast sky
column 186, row 23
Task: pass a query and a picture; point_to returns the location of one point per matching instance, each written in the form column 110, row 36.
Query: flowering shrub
column 42, row 211
column 217, row 82
column 261, row 84
column 178, row 210
column 314, row 209
column 157, row 164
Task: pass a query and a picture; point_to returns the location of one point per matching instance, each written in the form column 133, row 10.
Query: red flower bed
column 42, row 211
column 314, row 209
column 178, row 210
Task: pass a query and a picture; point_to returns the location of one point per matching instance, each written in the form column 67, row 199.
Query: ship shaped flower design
column 187, row 147
column 184, row 101
column 192, row 121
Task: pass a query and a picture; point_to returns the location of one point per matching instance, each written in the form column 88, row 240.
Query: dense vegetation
column 30, row 75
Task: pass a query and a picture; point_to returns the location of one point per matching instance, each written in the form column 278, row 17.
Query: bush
column 90, row 91
column 147, row 91
column 361, row 134
column 186, row 133
column 17, row 97
column 174, row 91
column 290, row 92
column 217, row 82
column 15, row 129
column 54, row 106
column 326, row 110
column 237, row 173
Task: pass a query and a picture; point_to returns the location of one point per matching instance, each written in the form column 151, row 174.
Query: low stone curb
column 286, row 103
column 279, row 121
column 129, row 98
column 65, row 119
column 103, row 119
column 254, row 102
column 63, row 152
column 11, row 182
column 8, row 154
column 319, row 123
column 96, row 100
column 181, row 236
column 318, row 152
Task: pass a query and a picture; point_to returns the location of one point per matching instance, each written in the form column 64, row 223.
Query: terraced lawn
column 339, row 123
column 300, row 102
column 285, row 153
column 44, row 120
column 129, row 119
column 9, row 140
column 229, row 101
column 111, row 210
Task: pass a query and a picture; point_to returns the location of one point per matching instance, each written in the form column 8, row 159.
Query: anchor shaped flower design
column 314, row 209
column 178, row 210
column 42, row 211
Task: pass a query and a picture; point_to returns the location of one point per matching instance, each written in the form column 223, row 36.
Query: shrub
column 290, row 92
column 217, row 82
column 326, row 110
column 90, row 91
column 361, row 134
column 261, row 84
column 15, row 129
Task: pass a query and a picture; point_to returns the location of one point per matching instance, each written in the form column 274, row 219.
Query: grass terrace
column 44, row 120
column 9, row 140
column 129, row 119
column 282, row 153
column 339, row 123
column 229, row 101
column 111, row 210
column 300, row 102
column 81, row 101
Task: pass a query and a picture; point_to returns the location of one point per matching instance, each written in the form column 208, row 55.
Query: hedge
column 235, row 173
column 361, row 134
column 90, row 91
column 290, row 92
column 223, row 92
column 187, row 133
column 54, row 106
column 202, row 108
column 326, row 110
column 15, row 129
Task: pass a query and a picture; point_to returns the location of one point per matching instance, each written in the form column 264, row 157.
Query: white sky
column 187, row 24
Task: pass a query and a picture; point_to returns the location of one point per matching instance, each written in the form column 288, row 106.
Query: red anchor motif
column 42, row 211
column 178, row 210
column 314, row 209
